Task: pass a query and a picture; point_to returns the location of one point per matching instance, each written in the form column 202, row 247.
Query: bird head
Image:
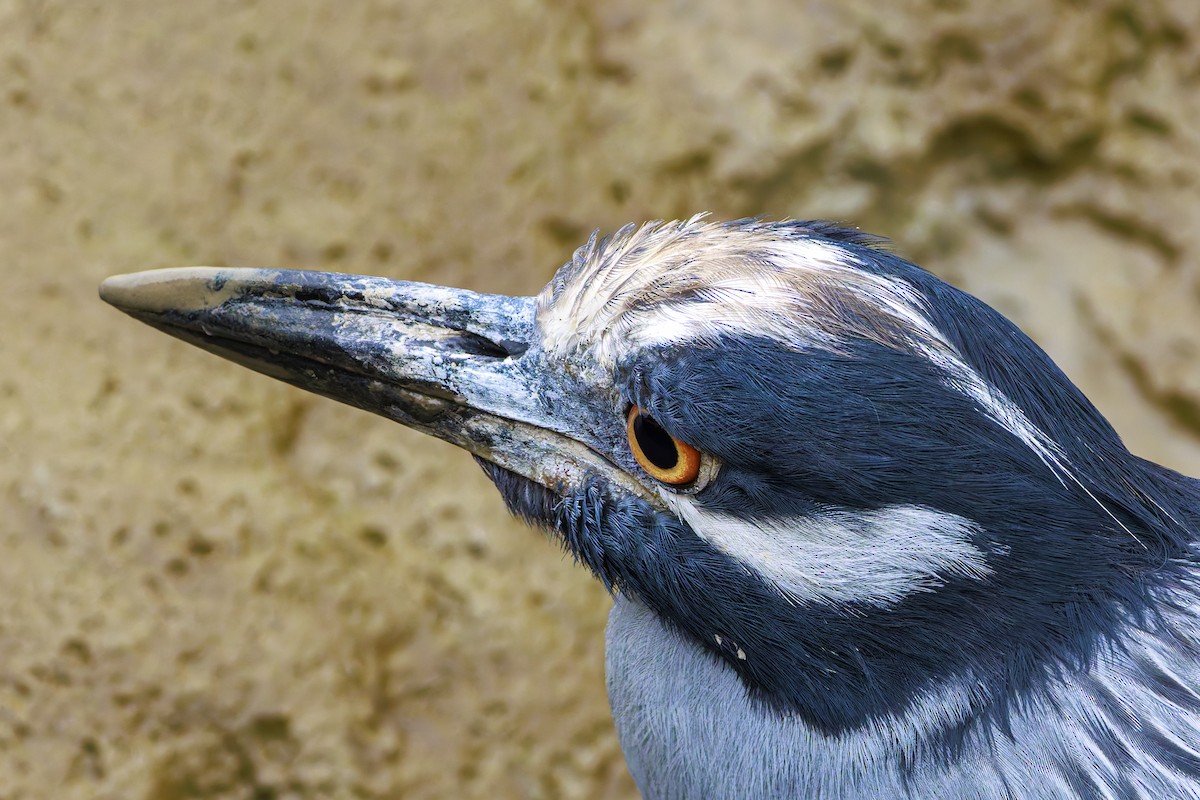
column 850, row 482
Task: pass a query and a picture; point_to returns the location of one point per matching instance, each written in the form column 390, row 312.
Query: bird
column 864, row 538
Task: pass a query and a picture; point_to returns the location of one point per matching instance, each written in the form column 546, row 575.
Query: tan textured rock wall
column 214, row 586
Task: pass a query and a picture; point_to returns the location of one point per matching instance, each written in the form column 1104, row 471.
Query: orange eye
column 662, row 455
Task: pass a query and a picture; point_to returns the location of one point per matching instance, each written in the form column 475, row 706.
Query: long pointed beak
column 449, row 362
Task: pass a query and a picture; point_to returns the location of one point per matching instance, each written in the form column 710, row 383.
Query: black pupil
column 657, row 445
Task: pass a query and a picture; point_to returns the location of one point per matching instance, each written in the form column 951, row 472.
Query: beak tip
column 115, row 290
column 178, row 289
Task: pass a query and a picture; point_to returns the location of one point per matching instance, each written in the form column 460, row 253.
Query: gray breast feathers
column 1127, row 728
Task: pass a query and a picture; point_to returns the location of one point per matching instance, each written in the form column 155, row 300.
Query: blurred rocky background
column 215, row 586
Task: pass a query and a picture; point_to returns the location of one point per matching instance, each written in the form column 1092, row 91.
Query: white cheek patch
column 876, row 557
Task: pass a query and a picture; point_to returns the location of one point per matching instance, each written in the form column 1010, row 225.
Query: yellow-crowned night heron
column 867, row 541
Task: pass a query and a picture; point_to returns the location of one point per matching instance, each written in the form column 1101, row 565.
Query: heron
column 864, row 538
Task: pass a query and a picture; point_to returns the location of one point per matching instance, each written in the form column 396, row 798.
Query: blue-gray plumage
column 866, row 540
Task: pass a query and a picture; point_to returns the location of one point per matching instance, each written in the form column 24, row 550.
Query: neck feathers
column 1126, row 725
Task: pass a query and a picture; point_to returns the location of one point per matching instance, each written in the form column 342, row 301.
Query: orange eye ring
column 663, row 456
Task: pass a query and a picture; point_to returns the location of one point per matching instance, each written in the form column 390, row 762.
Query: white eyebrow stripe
column 645, row 287
column 671, row 283
column 876, row 557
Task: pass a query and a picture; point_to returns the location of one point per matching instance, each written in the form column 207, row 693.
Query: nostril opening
column 513, row 348
column 477, row 345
